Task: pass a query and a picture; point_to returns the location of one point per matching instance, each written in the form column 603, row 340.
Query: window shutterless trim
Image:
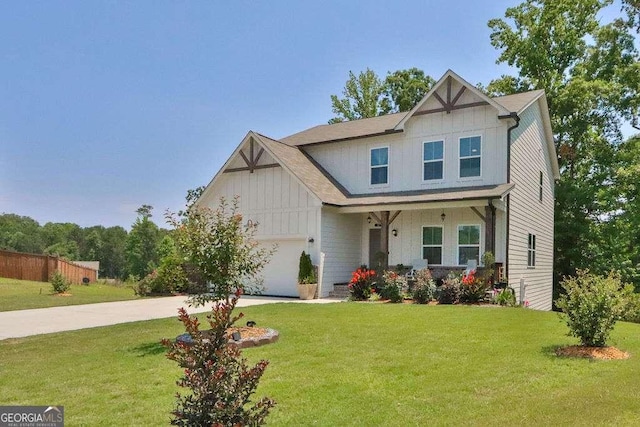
column 460, row 158
column 371, row 167
column 441, row 160
column 441, row 245
column 458, row 246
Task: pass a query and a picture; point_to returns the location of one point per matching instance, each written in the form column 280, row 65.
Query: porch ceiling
column 428, row 199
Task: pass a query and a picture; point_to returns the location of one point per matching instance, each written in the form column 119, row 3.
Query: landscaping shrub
column 361, row 284
column 632, row 309
column 505, row 297
column 449, row 292
column 219, row 380
column 394, row 286
column 592, row 304
column 306, row 272
column 59, row 283
column 473, row 287
column 424, row 288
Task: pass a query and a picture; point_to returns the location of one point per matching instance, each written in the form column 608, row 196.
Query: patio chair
column 416, row 264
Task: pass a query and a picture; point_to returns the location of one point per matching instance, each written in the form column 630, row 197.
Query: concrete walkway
column 23, row 323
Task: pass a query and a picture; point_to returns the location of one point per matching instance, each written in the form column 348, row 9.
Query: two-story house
column 458, row 175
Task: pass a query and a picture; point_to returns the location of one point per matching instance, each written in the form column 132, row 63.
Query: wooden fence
column 39, row 268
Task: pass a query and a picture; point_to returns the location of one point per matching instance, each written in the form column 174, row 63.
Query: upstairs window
column 540, row 187
column 531, row 252
column 432, row 158
column 468, row 243
column 470, row 156
column 432, row 245
column 379, row 166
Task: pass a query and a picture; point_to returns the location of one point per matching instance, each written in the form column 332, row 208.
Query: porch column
column 490, row 228
column 384, row 237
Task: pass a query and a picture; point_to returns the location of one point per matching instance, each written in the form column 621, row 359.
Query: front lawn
column 23, row 294
column 346, row 364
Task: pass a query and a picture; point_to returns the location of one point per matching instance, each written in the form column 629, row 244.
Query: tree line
column 589, row 68
column 121, row 253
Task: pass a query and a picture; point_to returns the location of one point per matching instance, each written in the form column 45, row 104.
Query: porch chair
column 472, row 265
column 416, row 264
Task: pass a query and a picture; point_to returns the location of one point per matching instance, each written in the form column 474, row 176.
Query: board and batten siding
column 273, row 198
column 348, row 161
column 528, row 215
column 340, row 244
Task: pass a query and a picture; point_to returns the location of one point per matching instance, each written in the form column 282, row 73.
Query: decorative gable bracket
column 252, row 160
column 450, row 104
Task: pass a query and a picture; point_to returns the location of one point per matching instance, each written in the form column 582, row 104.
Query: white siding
column 348, row 161
column 273, row 198
column 529, row 156
column 340, row 243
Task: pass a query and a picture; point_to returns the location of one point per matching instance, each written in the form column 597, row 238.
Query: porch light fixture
column 443, row 216
column 394, row 232
column 369, row 219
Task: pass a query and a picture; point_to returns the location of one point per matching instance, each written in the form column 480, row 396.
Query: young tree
column 221, row 246
column 141, row 246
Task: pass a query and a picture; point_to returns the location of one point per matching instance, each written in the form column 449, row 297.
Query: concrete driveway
column 23, row 323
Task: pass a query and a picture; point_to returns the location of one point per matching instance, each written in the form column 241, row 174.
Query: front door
column 374, row 247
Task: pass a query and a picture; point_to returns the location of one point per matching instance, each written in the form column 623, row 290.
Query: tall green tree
column 142, row 242
column 363, row 98
column 403, row 89
column 590, row 72
column 21, row 234
column 366, row 95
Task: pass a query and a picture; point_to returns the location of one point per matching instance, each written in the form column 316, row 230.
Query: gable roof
column 392, row 123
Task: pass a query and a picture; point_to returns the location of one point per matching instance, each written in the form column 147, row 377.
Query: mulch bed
column 600, row 353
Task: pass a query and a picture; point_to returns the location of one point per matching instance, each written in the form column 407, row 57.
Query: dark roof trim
column 324, row 172
column 349, row 138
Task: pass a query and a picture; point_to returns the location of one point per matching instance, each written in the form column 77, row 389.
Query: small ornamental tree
column 221, row 247
column 220, row 382
column 592, row 305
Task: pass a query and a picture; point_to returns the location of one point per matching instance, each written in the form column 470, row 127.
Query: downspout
column 515, row 117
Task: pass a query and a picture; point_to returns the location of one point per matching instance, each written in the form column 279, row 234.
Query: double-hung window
column 468, row 243
column 433, row 160
column 531, row 252
column 470, row 156
column 379, row 163
column 432, row 245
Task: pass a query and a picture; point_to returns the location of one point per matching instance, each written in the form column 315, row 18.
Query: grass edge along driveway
column 24, row 294
column 346, row 364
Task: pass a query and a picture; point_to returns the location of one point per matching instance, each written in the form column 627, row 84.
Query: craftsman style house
column 458, row 175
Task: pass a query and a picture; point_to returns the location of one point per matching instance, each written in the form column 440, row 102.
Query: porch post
column 490, row 228
column 384, row 238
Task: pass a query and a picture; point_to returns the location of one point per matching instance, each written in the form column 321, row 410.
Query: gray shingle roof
column 382, row 125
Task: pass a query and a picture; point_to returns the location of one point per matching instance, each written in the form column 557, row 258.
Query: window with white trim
column 432, row 244
column 432, row 160
column 379, row 162
column 470, row 156
column 531, row 251
column 468, row 243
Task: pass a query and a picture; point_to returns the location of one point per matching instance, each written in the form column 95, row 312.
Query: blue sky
column 105, row 105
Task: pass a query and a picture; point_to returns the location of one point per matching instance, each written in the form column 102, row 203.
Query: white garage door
column 281, row 274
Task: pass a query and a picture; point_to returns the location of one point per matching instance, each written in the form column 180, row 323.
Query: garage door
column 281, row 274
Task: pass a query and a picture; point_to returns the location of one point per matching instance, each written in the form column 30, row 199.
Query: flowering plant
column 473, row 287
column 361, row 284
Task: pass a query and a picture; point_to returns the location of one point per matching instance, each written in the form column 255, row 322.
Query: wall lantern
column 311, row 240
column 394, row 232
column 443, row 216
column 369, row 219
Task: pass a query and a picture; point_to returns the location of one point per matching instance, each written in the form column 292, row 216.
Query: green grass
column 346, row 364
column 23, row 294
